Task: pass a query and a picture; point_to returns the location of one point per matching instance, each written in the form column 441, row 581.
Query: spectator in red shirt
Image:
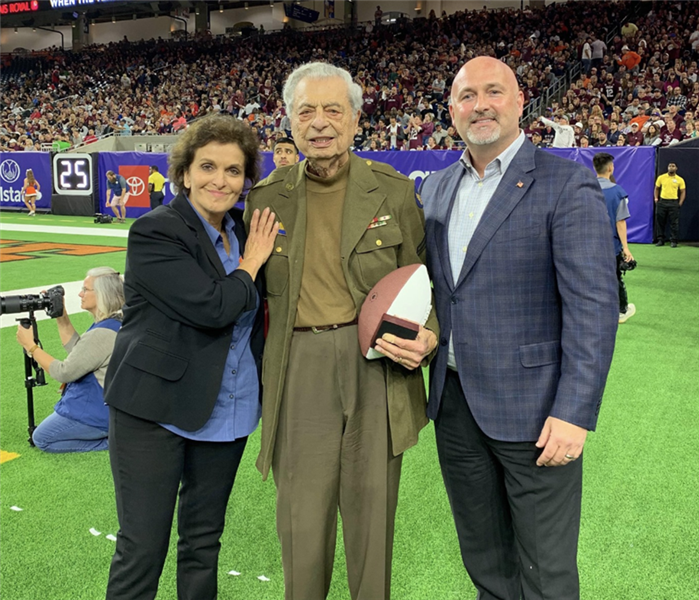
column 670, row 134
column 179, row 123
column 634, row 137
column 90, row 137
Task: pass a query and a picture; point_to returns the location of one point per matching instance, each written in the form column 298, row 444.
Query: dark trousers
column 667, row 210
column 150, row 465
column 623, row 296
column 517, row 523
column 156, row 199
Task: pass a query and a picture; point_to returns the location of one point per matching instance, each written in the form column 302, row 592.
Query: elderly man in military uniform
column 334, row 424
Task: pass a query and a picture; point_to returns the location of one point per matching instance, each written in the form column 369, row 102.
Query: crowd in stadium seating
column 641, row 89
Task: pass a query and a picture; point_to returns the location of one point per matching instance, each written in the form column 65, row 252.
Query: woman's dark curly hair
column 219, row 128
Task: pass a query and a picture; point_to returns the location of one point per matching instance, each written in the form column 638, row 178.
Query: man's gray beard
column 476, row 141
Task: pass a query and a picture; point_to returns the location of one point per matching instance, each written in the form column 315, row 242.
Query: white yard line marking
column 95, row 231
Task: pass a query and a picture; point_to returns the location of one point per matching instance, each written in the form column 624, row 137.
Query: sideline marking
column 7, row 456
column 120, row 233
column 14, row 250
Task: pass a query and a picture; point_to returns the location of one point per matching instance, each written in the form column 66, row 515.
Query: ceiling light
column 113, row 19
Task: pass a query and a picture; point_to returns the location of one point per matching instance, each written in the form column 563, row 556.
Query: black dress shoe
column 660, row 243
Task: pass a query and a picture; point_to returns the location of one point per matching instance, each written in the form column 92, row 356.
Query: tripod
column 31, row 367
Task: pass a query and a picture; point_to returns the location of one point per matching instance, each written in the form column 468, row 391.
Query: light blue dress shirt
column 237, row 410
column 472, row 198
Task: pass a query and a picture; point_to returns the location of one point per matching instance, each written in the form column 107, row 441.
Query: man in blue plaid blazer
column 523, row 268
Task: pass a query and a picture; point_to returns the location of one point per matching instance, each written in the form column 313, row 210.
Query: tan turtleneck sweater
column 324, row 298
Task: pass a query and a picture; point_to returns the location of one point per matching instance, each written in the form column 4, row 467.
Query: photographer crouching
column 80, row 419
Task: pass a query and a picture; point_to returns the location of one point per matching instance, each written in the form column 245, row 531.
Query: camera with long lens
column 51, row 301
column 627, row 265
column 102, row 218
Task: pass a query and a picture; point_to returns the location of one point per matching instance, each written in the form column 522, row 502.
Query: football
column 399, row 303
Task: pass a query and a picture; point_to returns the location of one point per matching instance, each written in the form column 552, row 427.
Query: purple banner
column 134, row 166
column 13, row 171
column 634, row 170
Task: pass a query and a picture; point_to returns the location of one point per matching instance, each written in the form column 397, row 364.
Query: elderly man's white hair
column 320, row 70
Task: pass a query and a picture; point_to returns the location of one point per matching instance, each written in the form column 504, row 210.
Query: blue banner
column 301, row 13
column 634, row 170
column 415, row 164
column 134, row 166
column 13, row 171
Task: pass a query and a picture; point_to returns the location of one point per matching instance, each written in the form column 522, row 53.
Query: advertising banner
column 415, row 164
column 634, row 170
column 301, row 13
column 13, row 171
column 134, row 166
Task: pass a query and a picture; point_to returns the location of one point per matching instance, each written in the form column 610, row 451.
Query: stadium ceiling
column 45, row 13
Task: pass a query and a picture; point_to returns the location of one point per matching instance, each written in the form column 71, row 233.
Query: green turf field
column 640, row 526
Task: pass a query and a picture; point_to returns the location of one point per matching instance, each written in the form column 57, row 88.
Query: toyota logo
column 136, row 185
column 9, row 170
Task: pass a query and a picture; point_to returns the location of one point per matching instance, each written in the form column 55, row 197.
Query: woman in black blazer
column 183, row 382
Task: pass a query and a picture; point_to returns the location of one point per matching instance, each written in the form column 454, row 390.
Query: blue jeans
column 58, row 434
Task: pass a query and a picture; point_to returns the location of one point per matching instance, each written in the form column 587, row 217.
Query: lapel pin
column 520, row 184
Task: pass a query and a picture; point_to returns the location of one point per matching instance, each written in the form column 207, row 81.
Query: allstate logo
column 136, row 185
column 9, row 170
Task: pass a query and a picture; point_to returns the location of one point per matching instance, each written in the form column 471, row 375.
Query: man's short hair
column 155, row 168
column 602, row 161
column 285, row 140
